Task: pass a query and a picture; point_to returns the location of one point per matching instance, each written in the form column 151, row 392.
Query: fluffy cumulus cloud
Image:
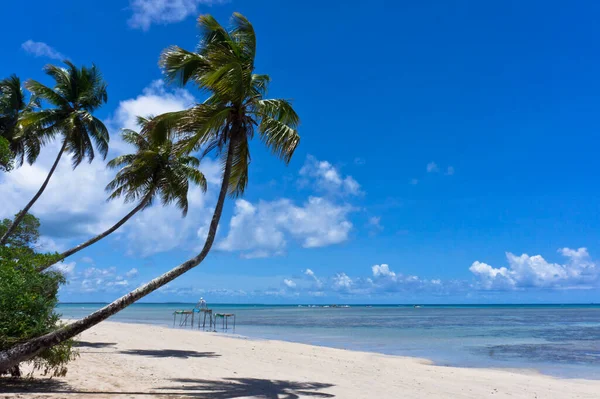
column 65, row 268
column 524, row 271
column 41, row 49
column 289, row 283
column 382, row 270
column 155, row 99
column 385, row 280
column 327, row 178
column 382, row 281
column 342, row 282
column 266, row 228
column 74, row 206
column 148, row 12
column 263, row 229
column 92, row 279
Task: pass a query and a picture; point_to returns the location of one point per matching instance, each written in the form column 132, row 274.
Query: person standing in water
column 201, row 304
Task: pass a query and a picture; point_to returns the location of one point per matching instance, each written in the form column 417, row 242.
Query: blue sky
column 448, row 152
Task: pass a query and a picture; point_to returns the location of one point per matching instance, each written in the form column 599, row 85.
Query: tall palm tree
column 154, row 170
column 23, row 143
column 223, row 67
column 78, row 92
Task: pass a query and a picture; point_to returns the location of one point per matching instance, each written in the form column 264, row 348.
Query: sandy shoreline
column 133, row 360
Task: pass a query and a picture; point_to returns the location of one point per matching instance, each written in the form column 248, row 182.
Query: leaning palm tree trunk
column 26, row 350
column 99, row 236
column 23, row 212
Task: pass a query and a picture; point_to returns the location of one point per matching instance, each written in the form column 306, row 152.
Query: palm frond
column 160, row 128
column 280, row 110
column 155, row 169
column 281, row 139
column 243, row 34
column 239, row 168
column 179, row 65
column 260, row 85
column 99, row 134
column 223, row 66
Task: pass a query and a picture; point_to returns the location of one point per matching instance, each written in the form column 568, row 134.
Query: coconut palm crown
column 223, row 67
column 23, row 143
column 154, row 169
column 77, row 93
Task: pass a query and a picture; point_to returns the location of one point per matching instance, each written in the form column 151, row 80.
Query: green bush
column 28, row 300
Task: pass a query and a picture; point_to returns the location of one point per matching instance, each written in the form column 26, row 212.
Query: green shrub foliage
column 28, row 299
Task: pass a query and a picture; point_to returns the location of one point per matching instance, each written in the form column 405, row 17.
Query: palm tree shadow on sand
column 229, row 388
column 183, row 354
column 97, row 345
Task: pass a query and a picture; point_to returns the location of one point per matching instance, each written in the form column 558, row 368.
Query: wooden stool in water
column 225, row 317
column 210, row 319
column 184, row 315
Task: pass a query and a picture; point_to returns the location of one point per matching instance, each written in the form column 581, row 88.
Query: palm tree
column 154, row 170
column 78, row 92
column 223, row 60
column 13, row 105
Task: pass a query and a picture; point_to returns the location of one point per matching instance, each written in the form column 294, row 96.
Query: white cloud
column 65, row 222
column 375, row 224
column 432, row 167
column 155, row 99
column 131, row 273
column 258, row 254
column 359, row 161
column 289, row 283
column 341, row 281
column 327, row 178
column 266, row 226
column 414, row 182
column 450, row 171
column 313, row 277
column 382, row 270
column 47, row 244
column 148, row 12
column 490, row 277
column 534, row 271
column 65, row 268
column 94, row 279
column 159, row 229
column 41, row 49
column 92, row 272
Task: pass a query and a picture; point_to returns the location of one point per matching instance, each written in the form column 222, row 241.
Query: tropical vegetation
column 77, row 93
column 28, row 298
column 156, row 169
column 235, row 109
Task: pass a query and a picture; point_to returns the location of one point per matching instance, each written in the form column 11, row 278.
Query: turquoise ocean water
column 560, row 340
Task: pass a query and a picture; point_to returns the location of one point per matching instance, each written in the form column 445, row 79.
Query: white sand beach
column 142, row 361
